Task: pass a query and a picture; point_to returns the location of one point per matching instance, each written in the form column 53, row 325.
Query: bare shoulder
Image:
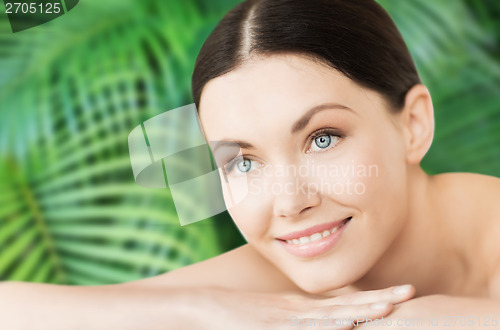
column 480, row 185
column 475, row 198
column 242, row 268
column 473, row 194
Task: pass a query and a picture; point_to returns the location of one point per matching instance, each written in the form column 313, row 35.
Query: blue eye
column 323, row 141
column 245, row 165
column 241, row 165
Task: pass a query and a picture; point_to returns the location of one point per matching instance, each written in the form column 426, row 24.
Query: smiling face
column 316, row 149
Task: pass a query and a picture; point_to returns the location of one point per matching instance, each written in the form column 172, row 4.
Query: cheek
column 368, row 174
column 249, row 221
column 383, row 175
column 350, row 179
column 247, row 212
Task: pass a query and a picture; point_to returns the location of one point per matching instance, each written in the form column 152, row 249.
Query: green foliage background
column 72, row 89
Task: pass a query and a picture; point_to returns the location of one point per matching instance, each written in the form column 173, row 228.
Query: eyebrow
column 297, row 126
column 226, row 143
column 304, row 120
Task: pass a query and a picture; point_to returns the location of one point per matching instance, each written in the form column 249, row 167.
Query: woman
column 318, row 122
column 329, row 88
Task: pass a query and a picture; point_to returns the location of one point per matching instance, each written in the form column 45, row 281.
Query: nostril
column 304, row 210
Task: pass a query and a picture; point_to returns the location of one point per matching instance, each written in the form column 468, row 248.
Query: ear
column 418, row 123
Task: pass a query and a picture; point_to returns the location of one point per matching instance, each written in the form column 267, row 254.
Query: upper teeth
column 313, row 237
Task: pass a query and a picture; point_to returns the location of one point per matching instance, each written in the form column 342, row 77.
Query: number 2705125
column 32, row 8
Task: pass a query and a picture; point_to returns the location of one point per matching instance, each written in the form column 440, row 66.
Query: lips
column 315, row 240
column 313, row 230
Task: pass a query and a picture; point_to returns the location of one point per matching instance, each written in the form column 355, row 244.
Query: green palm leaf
column 455, row 46
column 70, row 210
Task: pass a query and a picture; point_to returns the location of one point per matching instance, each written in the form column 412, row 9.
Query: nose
column 297, row 197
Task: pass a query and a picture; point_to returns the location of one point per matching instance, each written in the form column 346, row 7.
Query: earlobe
column 418, row 119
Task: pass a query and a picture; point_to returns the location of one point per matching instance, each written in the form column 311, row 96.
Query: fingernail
column 379, row 306
column 402, row 290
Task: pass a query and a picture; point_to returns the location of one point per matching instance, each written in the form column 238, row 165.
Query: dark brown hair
column 356, row 37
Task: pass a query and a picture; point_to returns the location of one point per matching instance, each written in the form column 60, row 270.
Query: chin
column 328, row 274
column 320, row 282
column 311, row 286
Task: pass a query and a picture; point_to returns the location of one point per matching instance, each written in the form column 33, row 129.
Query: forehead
column 272, row 91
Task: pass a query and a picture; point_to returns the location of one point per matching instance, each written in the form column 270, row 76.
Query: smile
column 315, row 240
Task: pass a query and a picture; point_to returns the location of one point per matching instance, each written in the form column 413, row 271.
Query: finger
column 395, row 294
column 348, row 316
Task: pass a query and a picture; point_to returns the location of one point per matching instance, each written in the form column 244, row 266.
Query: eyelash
column 229, row 167
column 323, row 131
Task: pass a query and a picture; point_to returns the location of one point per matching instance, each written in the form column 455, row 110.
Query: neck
column 423, row 253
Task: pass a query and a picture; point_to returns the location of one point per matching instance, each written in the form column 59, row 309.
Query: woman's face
column 300, row 170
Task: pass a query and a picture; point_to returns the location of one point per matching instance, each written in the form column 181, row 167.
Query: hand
column 441, row 312
column 227, row 309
